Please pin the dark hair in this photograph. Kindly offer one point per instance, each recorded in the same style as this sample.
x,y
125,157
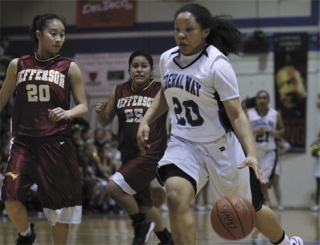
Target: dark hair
x,y
223,34
40,22
263,91
143,53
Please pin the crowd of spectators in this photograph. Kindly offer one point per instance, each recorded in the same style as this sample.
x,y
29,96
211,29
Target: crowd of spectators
x,y
98,159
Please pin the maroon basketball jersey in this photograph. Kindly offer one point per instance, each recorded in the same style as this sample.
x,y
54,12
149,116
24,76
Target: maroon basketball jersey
x,y
131,107
41,85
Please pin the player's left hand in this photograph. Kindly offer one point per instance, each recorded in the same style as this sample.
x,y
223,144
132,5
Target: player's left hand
x,y
58,114
254,164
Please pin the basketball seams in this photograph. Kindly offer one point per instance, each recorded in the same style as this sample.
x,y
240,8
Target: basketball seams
x,y
236,213
232,223
222,223
253,215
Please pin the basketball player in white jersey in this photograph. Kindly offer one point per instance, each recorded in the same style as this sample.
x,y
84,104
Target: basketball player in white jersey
x,y
200,92
267,126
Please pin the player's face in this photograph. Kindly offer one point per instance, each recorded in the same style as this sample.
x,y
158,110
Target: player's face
x,y
140,71
51,38
262,100
189,35
290,86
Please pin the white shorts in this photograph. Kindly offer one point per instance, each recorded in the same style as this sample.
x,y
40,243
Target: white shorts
x,y
216,161
268,162
70,215
278,170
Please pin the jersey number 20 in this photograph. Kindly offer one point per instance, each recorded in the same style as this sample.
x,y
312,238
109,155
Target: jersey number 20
x,y
187,112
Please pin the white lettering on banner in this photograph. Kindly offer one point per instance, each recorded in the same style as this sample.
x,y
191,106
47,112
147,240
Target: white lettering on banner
x,y
105,6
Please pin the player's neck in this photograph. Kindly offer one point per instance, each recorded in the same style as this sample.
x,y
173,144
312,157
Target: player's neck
x,y
262,111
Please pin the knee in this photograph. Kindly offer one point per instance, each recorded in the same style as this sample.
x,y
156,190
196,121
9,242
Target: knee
x,y
113,189
175,202
13,205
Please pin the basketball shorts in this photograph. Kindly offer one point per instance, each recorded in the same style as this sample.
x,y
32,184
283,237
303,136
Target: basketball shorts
x,y
268,161
216,161
278,169
135,175
51,163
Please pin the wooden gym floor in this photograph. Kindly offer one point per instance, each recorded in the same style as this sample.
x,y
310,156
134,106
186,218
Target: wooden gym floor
x,y
116,229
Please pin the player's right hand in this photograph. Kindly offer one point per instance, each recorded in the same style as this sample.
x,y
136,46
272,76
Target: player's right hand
x,y
101,107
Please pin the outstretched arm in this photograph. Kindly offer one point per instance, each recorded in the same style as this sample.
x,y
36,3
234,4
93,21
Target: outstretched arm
x,y
243,131
157,108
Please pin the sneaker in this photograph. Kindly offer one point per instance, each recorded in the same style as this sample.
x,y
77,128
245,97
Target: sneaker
x,y
199,208
315,208
165,237
168,243
142,232
209,207
295,240
164,207
26,240
280,207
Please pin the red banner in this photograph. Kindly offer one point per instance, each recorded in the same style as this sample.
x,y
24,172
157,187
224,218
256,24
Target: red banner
x,y
290,79
107,13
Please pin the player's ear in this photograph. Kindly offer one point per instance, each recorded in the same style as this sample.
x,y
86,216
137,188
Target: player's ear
x,y
38,34
205,32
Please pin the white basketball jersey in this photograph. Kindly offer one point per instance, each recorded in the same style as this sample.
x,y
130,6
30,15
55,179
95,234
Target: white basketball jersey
x,y
268,122
194,93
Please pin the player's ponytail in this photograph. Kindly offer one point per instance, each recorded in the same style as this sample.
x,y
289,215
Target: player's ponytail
x,y
224,35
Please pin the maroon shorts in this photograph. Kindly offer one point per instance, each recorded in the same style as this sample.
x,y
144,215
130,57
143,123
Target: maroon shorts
x,y
49,162
138,172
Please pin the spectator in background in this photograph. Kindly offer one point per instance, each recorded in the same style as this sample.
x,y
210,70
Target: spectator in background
x,y
282,147
267,126
315,152
100,137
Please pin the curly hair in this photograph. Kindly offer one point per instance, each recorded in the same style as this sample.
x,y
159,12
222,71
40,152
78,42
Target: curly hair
x,y
223,34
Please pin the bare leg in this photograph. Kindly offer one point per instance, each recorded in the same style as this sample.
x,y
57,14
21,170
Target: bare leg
x,y
268,224
18,215
154,215
124,200
276,188
179,196
60,233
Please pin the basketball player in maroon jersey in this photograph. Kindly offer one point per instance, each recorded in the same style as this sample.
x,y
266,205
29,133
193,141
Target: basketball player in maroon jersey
x,y
41,148
129,187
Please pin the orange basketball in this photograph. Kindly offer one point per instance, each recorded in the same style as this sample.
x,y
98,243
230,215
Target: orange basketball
x,y
233,217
